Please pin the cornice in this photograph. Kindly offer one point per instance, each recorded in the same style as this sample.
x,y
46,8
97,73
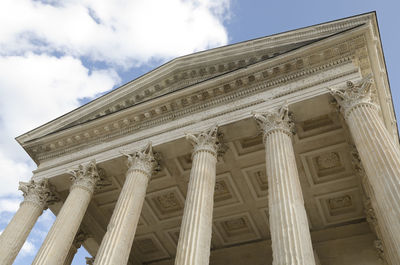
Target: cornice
x,y
223,98
222,114
239,85
199,66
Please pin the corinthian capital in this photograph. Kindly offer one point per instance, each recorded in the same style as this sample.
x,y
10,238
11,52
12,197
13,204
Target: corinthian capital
x,y
275,120
86,176
80,238
145,160
39,192
89,261
206,141
354,95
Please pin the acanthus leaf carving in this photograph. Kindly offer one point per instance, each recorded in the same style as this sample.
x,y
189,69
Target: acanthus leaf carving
x,y
39,192
145,160
279,119
89,261
354,95
80,238
208,141
41,151
86,176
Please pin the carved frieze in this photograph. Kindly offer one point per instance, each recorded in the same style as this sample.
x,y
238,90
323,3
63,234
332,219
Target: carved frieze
x,y
380,250
240,85
239,228
235,224
146,245
220,189
340,202
89,261
80,238
168,202
369,210
328,161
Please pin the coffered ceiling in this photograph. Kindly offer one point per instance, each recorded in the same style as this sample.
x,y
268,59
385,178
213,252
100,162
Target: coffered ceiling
x,y
331,190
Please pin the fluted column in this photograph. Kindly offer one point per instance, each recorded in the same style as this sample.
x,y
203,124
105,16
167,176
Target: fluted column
x,y
368,197
76,244
195,234
290,234
117,242
380,156
37,195
58,241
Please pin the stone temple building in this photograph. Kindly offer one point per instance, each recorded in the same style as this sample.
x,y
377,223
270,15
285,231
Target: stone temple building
x,y
281,150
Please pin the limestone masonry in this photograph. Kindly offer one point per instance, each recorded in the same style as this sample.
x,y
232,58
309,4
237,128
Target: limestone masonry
x,y
282,150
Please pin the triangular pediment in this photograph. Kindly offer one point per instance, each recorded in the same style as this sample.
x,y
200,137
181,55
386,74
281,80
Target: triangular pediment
x,y
189,70
182,72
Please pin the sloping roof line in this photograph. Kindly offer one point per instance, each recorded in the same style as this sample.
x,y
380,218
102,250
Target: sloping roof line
x,y
194,54
205,80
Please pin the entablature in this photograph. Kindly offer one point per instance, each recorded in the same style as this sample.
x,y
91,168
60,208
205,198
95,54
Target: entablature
x,y
264,76
194,68
266,83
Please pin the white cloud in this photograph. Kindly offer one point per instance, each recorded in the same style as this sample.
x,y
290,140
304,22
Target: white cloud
x,y
46,219
46,87
53,53
27,249
11,170
9,205
35,89
120,32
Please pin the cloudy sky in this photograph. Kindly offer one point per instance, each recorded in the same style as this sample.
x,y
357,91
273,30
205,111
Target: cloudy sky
x,y
57,55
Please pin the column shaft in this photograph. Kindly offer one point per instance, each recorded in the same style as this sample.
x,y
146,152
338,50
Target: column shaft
x,y
59,239
380,156
195,235
37,195
196,229
317,261
290,234
13,237
70,256
117,242
76,244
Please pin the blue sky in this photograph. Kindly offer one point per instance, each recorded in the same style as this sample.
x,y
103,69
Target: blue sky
x,y
54,56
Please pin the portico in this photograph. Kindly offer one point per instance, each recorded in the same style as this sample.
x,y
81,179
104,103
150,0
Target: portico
x,y
236,155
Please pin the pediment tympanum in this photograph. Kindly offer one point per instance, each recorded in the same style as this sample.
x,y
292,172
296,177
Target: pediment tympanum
x,y
199,81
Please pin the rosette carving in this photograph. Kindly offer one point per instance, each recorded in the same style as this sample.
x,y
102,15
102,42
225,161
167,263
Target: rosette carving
x,y
86,177
39,192
208,141
279,119
145,161
354,95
